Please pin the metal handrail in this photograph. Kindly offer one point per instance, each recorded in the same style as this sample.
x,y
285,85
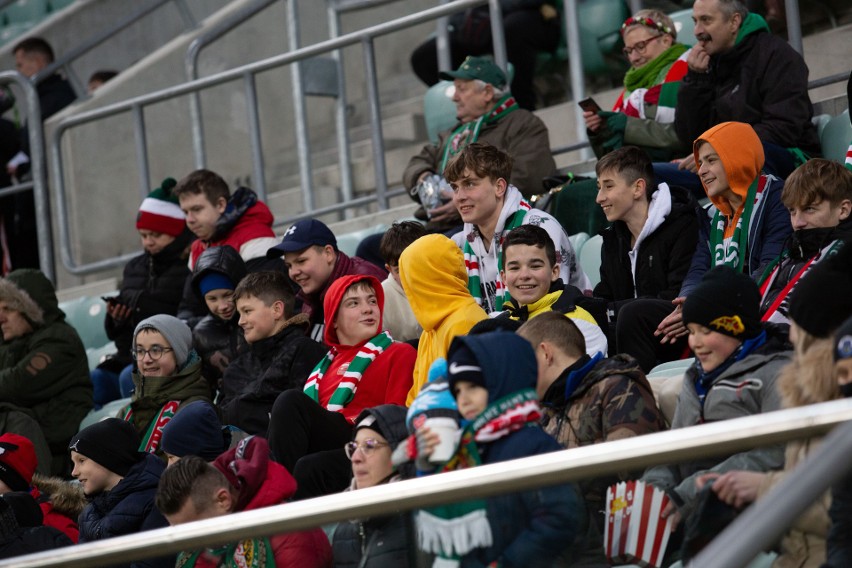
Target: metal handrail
x,y
37,170
517,475
245,73
67,58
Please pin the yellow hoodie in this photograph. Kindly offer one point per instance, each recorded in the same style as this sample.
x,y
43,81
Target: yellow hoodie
x,y
741,154
434,278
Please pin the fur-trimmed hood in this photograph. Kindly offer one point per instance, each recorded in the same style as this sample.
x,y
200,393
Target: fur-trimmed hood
x,y
66,497
809,378
30,292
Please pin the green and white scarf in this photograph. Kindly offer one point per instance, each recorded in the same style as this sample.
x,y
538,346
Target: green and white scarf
x,y
249,553
472,262
345,391
468,133
732,251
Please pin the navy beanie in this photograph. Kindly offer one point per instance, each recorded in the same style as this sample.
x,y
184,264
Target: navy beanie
x,y
195,430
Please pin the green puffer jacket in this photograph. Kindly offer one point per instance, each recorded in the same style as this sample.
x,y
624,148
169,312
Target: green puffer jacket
x,y
45,372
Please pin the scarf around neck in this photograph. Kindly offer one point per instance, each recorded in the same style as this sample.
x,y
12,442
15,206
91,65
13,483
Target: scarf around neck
x,y
345,391
468,133
732,251
648,75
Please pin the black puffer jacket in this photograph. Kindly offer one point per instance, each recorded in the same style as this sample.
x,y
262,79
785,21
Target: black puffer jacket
x,y
663,258
21,530
268,367
151,285
128,508
217,341
383,541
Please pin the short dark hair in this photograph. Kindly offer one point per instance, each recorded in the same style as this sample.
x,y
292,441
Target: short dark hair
x,y
269,286
397,238
534,236
817,180
103,76
485,160
190,478
35,45
555,328
631,163
209,183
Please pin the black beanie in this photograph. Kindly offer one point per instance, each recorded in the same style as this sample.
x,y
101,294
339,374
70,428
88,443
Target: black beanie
x,y
462,365
821,301
112,443
725,301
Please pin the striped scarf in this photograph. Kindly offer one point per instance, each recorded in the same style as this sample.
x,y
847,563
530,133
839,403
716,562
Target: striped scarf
x,y
732,251
472,261
468,133
151,440
345,391
656,86
848,162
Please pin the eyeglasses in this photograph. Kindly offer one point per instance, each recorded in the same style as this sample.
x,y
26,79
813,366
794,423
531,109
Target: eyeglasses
x,y
640,46
367,447
155,352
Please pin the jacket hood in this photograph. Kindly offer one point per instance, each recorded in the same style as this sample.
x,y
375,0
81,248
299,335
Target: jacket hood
x,y
741,154
145,474
30,292
752,24
333,297
390,422
186,383
67,498
809,378
177,249
434,278
259,481
222,260
507,361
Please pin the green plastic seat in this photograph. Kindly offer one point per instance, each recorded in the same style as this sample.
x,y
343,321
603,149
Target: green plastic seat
x,y
590,259
684,26
96,354
577,241
109,410
439,110
600,33
671,368
836,136
25,11
86,315
575,208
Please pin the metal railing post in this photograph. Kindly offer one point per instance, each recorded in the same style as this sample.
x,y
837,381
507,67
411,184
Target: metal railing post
x,y
185,14
347,187
140,136
498,36
375,123
259,182
442,43
299,112
575,64
794,25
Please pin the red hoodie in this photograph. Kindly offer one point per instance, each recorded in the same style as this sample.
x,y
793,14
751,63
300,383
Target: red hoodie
x,y
261,482
388,378
255,223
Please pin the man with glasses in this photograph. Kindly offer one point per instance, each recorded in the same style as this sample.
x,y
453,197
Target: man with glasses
x,y
739,71
643,115
43,367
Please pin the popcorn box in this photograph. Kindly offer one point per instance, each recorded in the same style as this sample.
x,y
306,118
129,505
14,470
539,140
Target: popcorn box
x,y
634,532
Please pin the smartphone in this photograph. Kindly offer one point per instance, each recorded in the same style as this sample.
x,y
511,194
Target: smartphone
x,y
589,105
110,299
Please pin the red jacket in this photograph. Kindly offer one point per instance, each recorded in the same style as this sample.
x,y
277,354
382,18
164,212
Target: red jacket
x,y
55,519
262,483
255,223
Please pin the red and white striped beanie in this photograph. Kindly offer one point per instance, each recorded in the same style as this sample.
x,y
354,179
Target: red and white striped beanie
x,y
160,211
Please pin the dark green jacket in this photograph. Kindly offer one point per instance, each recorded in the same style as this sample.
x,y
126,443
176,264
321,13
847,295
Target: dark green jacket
x,y
46,371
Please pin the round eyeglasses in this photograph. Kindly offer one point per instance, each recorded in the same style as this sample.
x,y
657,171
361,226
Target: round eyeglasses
x,y
155,352
367,447
640,46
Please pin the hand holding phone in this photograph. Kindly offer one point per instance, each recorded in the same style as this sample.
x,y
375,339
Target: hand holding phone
x,y
589,105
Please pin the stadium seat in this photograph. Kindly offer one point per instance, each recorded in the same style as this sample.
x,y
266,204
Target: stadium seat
x,y
590,259
439,110
109,410
684,26
86,315
820,120
24,11
348,242
96,354
671,368
836,136
577,241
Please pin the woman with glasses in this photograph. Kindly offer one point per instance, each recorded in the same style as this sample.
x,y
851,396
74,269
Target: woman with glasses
x,y
382,541
643,115
166,375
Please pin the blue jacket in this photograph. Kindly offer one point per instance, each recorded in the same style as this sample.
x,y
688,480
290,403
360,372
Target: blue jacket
x,y
532,528
128,508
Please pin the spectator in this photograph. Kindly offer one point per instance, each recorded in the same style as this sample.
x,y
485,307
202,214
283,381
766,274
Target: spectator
x,y
490,208
364,368
748,229
98,78
492,377
531,277
151,284
21,531
120,480
434,278
486,113
739,71
17,232
279,355
644,113
195,430
314,262
378,541
43,366
737,363
242,479
218,338
398,317
530,27
167,375
589,400
60,502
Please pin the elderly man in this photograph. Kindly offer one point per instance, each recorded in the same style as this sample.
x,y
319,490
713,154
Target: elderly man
x,y
487,112
740,72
